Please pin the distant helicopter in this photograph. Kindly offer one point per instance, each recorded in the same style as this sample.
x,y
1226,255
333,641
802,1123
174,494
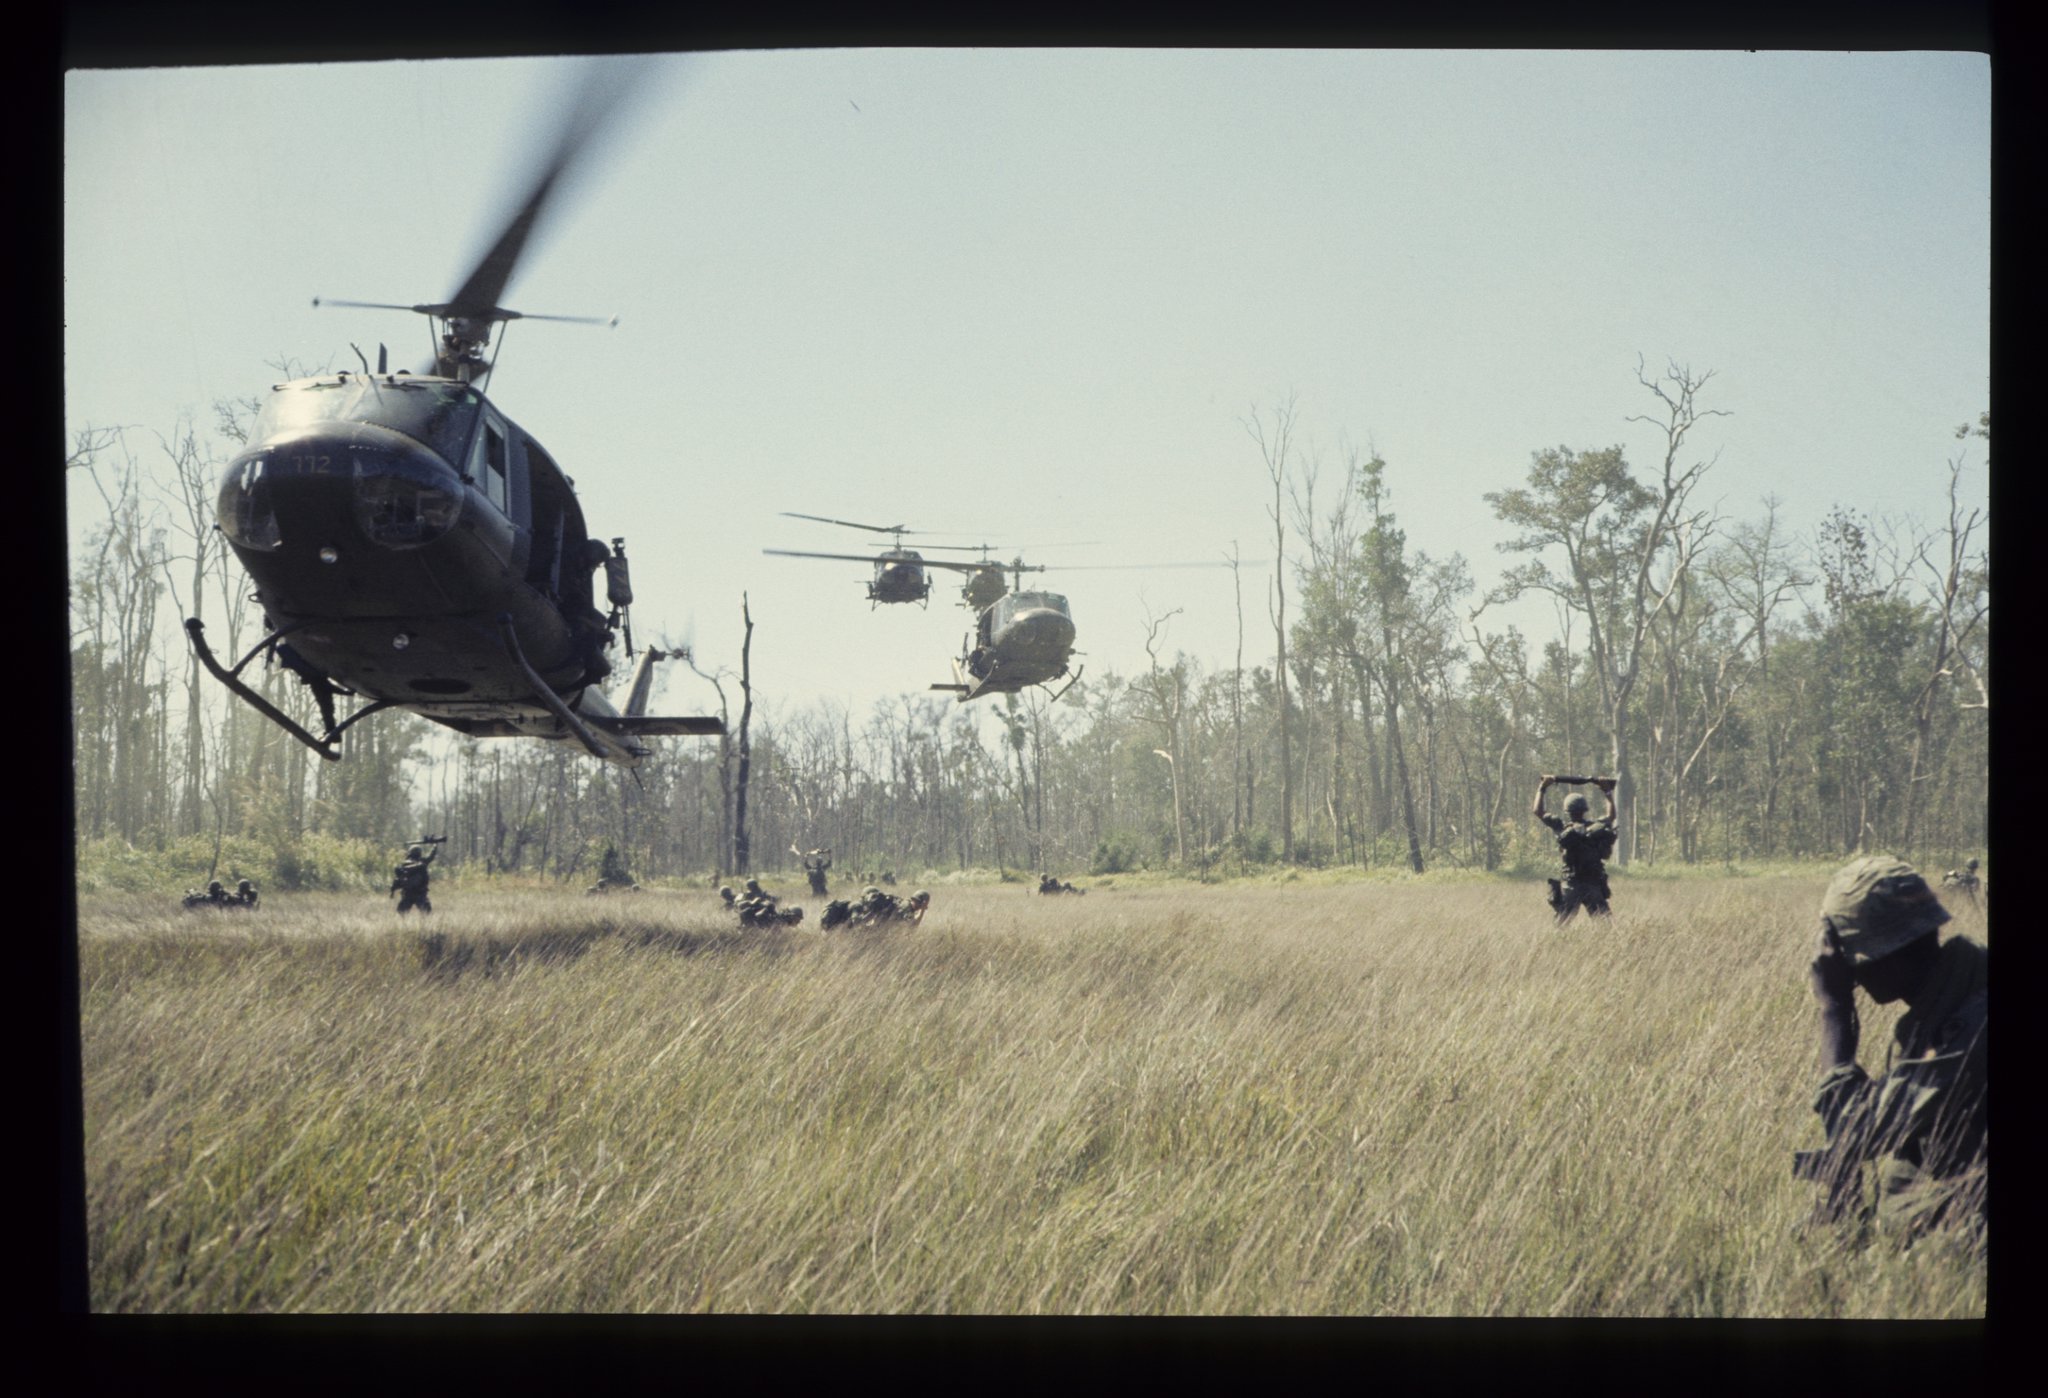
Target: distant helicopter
x,y
899,572
414,547
1020,638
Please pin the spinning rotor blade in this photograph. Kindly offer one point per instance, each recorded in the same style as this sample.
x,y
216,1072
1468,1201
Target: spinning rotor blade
x,y
365,305
843,557
604,84
875,528
1125,567
990,565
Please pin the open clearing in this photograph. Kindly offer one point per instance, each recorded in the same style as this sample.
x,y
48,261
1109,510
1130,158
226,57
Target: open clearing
x,y
1405,1098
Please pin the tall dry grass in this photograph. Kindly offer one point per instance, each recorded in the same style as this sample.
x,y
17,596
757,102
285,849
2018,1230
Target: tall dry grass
x,y
1409,1098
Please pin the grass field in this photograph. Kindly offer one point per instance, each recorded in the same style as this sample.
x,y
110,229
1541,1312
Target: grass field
x,y
1405,1098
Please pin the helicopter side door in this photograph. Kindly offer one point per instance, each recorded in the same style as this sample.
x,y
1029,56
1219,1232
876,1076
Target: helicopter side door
x,y
489,474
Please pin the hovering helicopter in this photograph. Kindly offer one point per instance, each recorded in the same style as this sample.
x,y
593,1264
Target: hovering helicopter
x,y
414,547
899,572
1020,638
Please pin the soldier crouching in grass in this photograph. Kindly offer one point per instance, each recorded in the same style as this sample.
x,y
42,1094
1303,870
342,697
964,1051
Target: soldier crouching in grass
x,y
1923,1123
1584,847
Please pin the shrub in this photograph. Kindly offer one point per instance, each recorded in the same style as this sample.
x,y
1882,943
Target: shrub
x,y
1115,854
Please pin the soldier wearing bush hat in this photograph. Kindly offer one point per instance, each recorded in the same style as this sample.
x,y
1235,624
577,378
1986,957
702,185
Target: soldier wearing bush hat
x,y
1923,1123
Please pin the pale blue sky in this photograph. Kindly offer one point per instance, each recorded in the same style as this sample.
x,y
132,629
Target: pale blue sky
x,y
1029,296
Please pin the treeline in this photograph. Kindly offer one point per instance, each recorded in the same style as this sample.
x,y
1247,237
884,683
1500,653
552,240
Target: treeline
x,y
1761,692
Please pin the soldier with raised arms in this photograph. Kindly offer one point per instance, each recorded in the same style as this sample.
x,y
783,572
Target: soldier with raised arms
x,y
1583,846
411,879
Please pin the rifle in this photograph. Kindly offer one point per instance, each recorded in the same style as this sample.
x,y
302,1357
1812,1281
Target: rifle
x,y
1577,781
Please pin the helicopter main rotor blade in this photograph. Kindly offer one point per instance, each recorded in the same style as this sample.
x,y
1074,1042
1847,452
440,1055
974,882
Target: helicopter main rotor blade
x,y
1128,567
988,567
364,305
874,528
604,84
843,557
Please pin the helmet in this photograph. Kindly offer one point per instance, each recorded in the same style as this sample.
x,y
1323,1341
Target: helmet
x,y
1878,904
920,897
753,885
1969,863
1576,805
244,886
725,890
415,853
213,887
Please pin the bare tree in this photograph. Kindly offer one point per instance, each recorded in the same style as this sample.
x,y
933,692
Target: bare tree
x,y
1615,533
1956,589
1276,444
1165,691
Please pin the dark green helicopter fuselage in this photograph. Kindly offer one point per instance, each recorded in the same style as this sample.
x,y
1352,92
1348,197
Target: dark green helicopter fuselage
x,y
389,521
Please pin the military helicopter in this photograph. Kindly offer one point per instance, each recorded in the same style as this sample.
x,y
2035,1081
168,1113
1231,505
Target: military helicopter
x,y
899,572
1020,638
414,547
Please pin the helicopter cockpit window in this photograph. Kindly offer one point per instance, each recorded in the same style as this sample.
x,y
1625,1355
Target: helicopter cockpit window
x,y
487,466
400,504
438,415
1008,608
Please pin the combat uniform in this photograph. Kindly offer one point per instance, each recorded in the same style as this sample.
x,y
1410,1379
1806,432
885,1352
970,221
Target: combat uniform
x,y
1924,1122
1583,848
410,880
1963,881
214,897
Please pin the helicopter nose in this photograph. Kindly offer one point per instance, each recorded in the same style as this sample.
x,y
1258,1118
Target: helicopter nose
x,y
1043,631
320,489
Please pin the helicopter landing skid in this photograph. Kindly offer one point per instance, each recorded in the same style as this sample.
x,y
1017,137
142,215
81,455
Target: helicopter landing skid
x,y
195,628
1063,688
546,695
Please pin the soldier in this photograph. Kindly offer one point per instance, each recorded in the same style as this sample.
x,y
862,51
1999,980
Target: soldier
x,y
838,913
874,906
612,872
245,895
1963,880
214,897
815,864
1584,848
1924,1122
410,880
758,908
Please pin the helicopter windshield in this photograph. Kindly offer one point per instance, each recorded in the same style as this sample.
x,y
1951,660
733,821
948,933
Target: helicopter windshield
x,y
1008,607
437,415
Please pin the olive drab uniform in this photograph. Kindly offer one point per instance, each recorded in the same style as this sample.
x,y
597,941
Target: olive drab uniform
x,y
1964,881
214,897
410,880
759,908
815,865
1923,1124
1583,847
